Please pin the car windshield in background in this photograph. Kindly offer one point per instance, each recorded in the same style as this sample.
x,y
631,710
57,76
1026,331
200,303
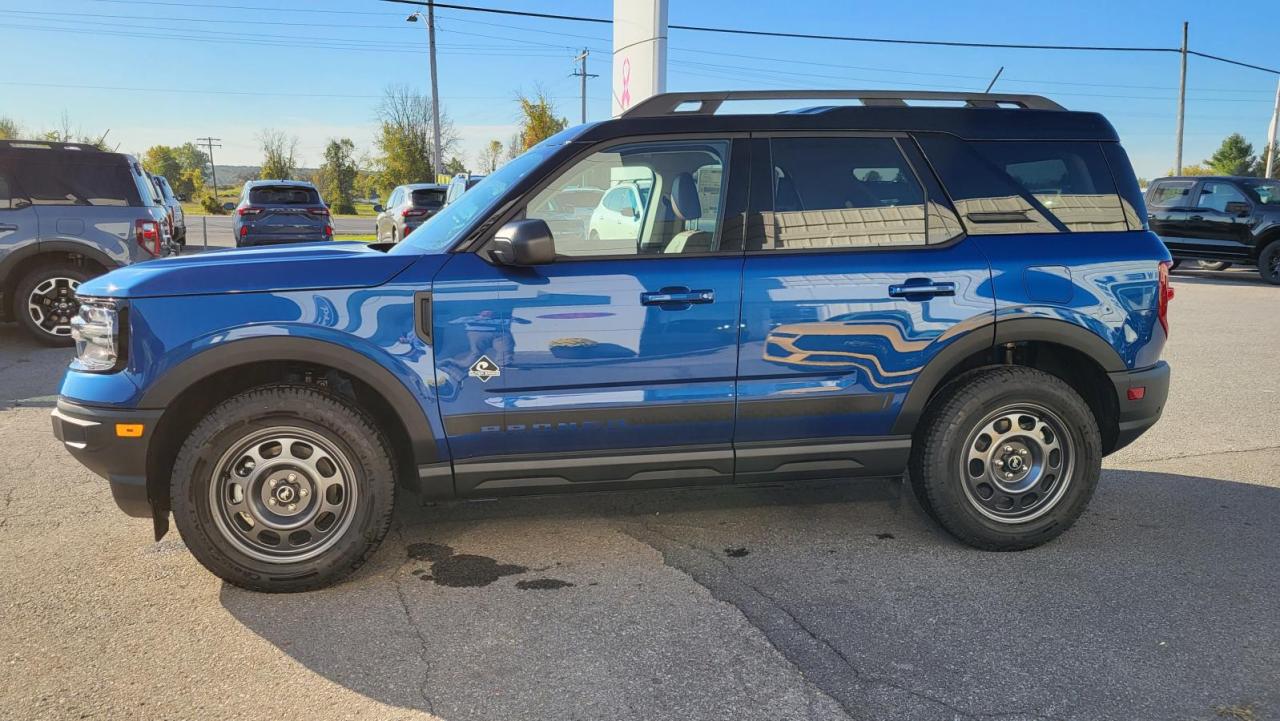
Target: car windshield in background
x,y
445,227
1266,192
428,198
283,195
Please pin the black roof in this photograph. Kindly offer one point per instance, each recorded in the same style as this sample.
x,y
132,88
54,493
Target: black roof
x,y
981,117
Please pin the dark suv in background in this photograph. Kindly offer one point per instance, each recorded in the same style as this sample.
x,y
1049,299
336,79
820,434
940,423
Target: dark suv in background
x,y
69,212
1218,221
407,207
280,211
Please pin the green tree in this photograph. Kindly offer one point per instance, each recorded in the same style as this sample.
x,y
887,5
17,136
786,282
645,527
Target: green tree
x,y
490,155
162,160
1234,157
405,136
455,166
183,165
337,176
1193,170
9,129
279,154
538,119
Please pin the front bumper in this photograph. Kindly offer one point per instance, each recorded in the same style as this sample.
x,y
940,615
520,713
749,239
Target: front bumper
x,y
1136,416
92,436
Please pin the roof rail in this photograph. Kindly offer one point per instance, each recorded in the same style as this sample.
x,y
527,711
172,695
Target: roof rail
x,y
709,102
48,145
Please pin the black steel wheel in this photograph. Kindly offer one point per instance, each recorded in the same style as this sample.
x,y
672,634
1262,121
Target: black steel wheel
x,y
1269,263
1006,458
45,302
284,488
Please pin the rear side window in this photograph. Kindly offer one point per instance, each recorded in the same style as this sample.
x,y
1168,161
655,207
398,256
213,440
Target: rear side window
x,y
10,197
60,183
835,193
1028,186
429,198
1166,193
283,195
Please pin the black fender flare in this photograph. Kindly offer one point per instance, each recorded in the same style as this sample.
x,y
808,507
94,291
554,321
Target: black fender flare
x,y
303,350
17,256
988,337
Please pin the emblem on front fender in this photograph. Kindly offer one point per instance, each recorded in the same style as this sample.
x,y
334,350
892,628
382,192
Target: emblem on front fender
x,y
484,369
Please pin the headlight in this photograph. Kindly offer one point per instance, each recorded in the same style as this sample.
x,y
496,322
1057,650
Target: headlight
x,y
96,330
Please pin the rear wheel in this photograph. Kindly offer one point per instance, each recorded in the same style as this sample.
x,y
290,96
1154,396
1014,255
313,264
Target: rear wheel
x,y
1213,264
45,302
1007,458
283,488
1269,263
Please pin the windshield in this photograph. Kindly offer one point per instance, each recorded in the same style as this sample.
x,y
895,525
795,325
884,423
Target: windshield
x,y
446,227
1266,192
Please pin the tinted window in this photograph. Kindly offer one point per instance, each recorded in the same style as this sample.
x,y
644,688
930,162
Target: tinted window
x,y
842,193
1025,186
283,195
1266,192
1215,195
10,198
663,197
54,183
428,198
1169,192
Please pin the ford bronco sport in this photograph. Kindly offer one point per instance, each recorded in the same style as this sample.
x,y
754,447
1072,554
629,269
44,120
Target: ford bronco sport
x,y
966,294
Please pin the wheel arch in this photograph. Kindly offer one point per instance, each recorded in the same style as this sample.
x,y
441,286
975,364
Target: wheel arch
x,y
16,263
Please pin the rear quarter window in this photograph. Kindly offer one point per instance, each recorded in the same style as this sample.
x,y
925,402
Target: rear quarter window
x,y
1002,187
283,195
85,184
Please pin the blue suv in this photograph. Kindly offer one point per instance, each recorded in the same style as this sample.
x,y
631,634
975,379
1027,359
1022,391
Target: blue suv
x,y
964,294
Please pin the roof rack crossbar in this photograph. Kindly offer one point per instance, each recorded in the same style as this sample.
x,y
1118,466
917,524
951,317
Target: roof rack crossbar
x,y
50,144
709,102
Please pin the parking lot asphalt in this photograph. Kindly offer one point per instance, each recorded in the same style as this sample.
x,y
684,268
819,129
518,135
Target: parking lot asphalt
x,y
219,230
820,601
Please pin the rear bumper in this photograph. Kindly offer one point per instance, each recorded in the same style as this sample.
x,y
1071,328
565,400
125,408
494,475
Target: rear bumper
x,y
89,433
1136,416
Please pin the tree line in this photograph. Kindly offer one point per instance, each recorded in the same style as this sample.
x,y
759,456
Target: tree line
x,y
1235,156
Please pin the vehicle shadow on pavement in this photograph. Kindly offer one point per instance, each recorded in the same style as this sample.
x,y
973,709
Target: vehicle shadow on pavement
x,y
30,373
1232,276
1160,603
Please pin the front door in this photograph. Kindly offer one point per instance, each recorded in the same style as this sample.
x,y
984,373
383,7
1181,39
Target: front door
x,y
1220,222
613,366
848,293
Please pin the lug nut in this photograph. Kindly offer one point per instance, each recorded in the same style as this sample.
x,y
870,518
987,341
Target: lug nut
x,y
1008,475
293,476
271,501
272,483
999,463
1008,449
303,493
293,506
1022,451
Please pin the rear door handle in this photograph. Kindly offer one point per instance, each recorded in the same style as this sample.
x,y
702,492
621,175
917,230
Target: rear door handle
x,y
677,297
922,290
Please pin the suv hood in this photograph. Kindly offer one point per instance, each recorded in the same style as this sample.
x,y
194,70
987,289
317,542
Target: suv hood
x,y
279,268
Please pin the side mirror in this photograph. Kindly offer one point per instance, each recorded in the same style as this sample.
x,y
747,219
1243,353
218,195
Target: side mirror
x,y
1237,207
524,242
228,206
377,208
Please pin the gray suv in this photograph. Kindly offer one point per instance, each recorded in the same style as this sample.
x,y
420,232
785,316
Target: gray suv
x,y
271,212
408,206
69,212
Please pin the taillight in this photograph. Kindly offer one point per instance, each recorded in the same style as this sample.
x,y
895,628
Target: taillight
x,y
249,211
328,230
324,212
1166,295
147,233
413,212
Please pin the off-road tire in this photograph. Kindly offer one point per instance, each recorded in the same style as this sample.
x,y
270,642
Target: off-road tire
x,y
1269,263
28,283
344,426
935,468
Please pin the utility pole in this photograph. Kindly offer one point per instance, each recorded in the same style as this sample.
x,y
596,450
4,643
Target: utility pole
x,y
209,145
1182,102
1271,132
581,72
435,94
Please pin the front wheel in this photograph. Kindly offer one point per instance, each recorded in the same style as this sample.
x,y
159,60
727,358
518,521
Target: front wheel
x,y
1269,263
283,488
1006,458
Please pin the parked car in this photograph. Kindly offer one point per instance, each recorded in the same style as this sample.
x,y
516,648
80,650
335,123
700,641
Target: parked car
x,y
68,212
618,217
407,207
461,183
965,291
1219,221
271,212
177,218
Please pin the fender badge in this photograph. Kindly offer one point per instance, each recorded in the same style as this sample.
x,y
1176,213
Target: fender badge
x,y
484,369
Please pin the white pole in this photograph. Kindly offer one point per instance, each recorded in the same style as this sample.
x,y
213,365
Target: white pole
x,y
1271,131
1182,103
435,93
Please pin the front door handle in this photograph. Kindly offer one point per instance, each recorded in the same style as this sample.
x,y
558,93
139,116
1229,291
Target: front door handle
x,y
677,297
1196,217
921,290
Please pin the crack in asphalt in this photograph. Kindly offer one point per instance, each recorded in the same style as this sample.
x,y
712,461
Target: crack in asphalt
x,y
424,650
1140,461
769,627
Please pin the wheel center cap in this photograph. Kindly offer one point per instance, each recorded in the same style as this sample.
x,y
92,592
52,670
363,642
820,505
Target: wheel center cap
x,y
286,494
1014,463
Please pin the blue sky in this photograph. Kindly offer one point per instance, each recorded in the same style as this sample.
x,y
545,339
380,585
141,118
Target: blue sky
x,y
167,72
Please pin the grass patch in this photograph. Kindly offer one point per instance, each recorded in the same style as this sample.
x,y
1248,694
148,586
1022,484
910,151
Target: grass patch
x,y
362,237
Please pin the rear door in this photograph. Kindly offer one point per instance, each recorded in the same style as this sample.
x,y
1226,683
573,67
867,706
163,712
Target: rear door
x,y
1168,208
856,275
613,366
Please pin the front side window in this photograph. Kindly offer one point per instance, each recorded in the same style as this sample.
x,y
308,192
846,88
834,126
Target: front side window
x,y
1169,193
649,198
1262,191
1215,195
834,193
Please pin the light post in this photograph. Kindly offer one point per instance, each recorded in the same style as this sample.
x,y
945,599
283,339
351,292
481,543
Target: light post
x,y
430,20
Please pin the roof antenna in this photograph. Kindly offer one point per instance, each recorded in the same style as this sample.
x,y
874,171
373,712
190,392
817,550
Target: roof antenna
x,y
993,80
